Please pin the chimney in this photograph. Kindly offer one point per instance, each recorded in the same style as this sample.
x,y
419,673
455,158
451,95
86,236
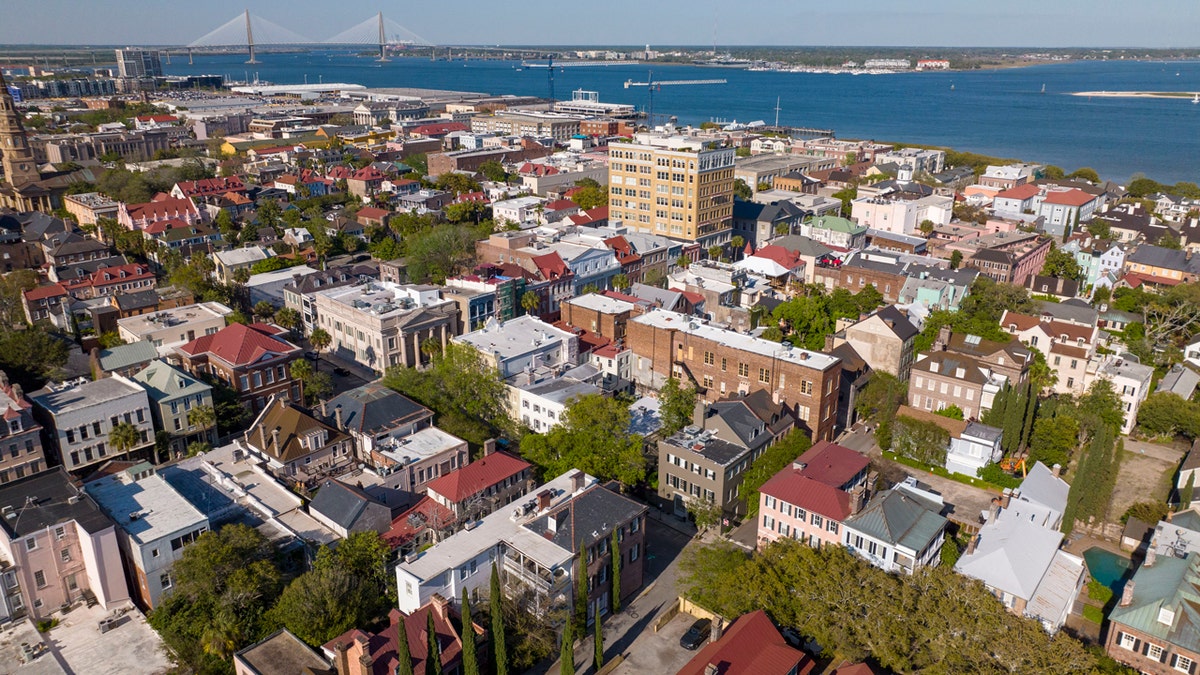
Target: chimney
x,y
994,511
543,499
1056,470
365,662
577,481
828,348
341,659
943,339
262,436
17,392
1151,554
698,413
1005,498
712,669
972,544
337,417
718,627
324,413
275,438
1127,594
489,446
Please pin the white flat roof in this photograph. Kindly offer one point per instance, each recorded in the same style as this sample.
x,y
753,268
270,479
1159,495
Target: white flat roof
x,y
601,303
176,316
513,337
661,318
159,509
499,526
424,444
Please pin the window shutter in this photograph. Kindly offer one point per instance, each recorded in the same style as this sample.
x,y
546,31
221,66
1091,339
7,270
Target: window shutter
x,y
1137,646
1145,649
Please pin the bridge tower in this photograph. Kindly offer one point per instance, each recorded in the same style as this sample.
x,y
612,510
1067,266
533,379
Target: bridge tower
x,y
382,42
250,39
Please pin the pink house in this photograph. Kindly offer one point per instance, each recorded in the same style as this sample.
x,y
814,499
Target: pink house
x,y
162,207
809,499
62,548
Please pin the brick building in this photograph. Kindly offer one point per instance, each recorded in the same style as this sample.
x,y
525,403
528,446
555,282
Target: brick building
x,y
719,362
253,360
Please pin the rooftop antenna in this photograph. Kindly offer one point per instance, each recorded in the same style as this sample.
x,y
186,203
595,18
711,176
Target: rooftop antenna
x,y
250,38
382,42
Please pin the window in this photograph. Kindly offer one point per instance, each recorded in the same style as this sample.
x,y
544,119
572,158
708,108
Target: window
x,y
165,580
634,525
1128,641
764,375
724,363
743,370
31,544
60,532
709,358
39,578
70,435
1154,651
633,552
154,553
1183,664
806,387
65,555
817,521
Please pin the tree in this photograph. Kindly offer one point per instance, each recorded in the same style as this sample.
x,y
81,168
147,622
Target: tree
x,y
1087,173
263,310
925,442
1167,414
124,437
593,436
715,252
110,339
926,227
598,643
589,198
457,183
956,260
566,659
288,318
320,340
197,448
440,253
530,301
676,406
963,628
1061,265
620,282
202,417
770,462
953,412
499,654
493,171
1053,440
323,603
738,243
580,612
470,660
615,546
404,664
741,190
433,652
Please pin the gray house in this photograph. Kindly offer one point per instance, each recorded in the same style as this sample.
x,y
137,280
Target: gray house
x,y
346,509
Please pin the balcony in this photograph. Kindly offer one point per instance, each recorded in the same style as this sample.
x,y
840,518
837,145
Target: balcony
x,y
540,580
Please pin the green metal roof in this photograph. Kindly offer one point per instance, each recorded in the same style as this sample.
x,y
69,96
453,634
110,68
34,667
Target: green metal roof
x,y
838,224
1171,584
899,519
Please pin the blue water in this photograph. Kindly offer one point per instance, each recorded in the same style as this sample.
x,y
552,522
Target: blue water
x,y
1108,568
994,112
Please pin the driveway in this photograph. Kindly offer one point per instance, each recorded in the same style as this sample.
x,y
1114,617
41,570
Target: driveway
x,y
634,636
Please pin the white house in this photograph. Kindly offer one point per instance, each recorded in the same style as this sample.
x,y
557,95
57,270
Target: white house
x,y
900,530
517,210
976,447
1131,380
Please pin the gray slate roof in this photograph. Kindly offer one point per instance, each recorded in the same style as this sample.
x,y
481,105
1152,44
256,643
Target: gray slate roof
x,y
1180,380
373,409
340,503
588,517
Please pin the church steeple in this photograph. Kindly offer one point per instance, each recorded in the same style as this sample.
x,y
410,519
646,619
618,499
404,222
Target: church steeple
x,y
17,159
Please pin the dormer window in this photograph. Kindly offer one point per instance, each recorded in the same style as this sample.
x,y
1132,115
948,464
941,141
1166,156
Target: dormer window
x,y
14,426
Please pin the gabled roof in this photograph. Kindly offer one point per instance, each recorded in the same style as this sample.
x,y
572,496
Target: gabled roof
x,y
792,486
164,382
292,424
897,322
832,464
162,206
1157,256
1171,584
381,647
1021,192
373,409
899,518
489,470
1012,555
1068,197
340,503
586,518
124,356
238,345
551,265
751,645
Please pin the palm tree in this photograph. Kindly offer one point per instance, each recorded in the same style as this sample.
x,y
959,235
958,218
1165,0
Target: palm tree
x,y
530,301
620,282
203,417
739,243
124,437
319,339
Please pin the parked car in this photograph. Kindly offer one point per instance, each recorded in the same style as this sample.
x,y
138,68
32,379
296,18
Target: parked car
x,y
340,371
696,635
311,356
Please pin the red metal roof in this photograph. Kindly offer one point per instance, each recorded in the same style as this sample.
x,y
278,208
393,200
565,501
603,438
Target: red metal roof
x,y
561,205
551,265
43,292
477,476
373,212
751,645
162,207
211,186
238,344
382,646
789,260
1068,197
1022,192
832,464
792,486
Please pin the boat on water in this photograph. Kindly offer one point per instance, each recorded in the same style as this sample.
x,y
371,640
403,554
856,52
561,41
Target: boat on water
x,y
1196,98
1043,88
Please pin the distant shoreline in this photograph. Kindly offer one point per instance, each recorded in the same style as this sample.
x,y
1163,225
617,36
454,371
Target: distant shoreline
x,y
1138,94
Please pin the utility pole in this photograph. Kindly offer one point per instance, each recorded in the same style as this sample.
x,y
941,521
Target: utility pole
x,y
250,39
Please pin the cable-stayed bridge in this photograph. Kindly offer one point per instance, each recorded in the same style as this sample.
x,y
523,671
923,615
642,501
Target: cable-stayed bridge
x,y
252,31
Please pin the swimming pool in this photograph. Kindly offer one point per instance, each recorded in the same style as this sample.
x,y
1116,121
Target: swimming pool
x,y
1107,567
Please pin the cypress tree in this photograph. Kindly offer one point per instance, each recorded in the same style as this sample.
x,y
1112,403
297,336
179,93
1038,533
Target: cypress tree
x,y
469,658
499,653
599,642
567,659
433,659
403,654
616,572
1031,407
581,590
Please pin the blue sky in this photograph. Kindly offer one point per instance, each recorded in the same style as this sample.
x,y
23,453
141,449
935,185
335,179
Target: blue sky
x,y
1050,23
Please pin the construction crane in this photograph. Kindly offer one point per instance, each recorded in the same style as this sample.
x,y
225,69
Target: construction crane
x,y
651,85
